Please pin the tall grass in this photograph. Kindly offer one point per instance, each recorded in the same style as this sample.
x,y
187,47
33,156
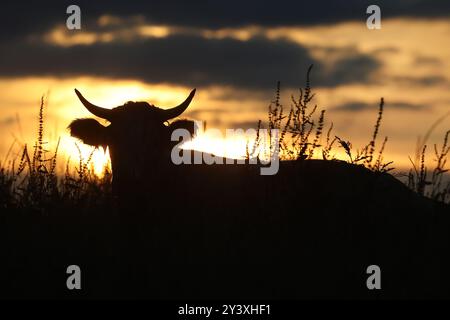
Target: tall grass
x,y
31,181
368,155
432,183
302,131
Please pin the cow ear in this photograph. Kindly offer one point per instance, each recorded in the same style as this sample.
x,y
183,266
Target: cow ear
x,y
89,131
183,124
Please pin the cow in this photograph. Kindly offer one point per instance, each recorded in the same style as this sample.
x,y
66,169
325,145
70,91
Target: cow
x,y
137,137
225,231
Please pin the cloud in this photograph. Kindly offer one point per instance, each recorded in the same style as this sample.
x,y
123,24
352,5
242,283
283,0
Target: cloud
x,y
244,125
425,81
203,111
422,60
362,106
188,60
23,18
385,50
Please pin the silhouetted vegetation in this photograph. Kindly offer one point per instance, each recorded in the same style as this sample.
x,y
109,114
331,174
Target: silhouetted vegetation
x,y
301,136
301,133
432,184
32,182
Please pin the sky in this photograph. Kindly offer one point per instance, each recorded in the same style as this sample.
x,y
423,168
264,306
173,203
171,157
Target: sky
x,y
233,52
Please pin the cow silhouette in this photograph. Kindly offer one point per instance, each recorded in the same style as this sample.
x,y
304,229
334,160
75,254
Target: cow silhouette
x,y
225,231
137,137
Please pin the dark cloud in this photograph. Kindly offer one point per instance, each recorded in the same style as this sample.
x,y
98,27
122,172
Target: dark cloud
x,y
362,106
356,68
187,60
21,18
190,60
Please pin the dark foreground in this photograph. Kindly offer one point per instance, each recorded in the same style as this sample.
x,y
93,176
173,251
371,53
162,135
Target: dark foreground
x,y
218,232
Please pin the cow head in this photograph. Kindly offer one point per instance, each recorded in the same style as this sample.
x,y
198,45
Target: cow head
x,y
138,136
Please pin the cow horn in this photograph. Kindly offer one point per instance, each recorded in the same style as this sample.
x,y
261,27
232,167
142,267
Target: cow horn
x,y
175,112
97,111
